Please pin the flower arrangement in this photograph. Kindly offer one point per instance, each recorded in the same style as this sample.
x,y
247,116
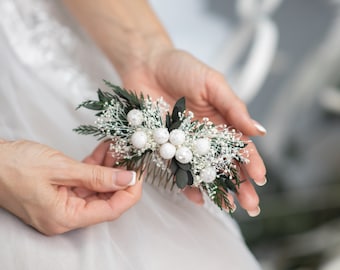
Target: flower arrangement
x,y
171,149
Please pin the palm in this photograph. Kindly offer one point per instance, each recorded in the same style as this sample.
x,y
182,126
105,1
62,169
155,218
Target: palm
x,y
178,74
173,74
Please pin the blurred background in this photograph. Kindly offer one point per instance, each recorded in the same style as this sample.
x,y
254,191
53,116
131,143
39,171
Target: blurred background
x,y
282,57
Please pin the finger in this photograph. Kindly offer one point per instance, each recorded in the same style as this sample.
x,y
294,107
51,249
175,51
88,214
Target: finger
x,y
255,169
95,177
99,210
83,192
247,197
234,111
109,161
194,195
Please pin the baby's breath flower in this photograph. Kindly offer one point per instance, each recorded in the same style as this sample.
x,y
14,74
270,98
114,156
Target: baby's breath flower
x,y
172,147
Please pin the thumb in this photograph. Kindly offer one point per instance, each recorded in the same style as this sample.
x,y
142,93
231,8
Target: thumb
x,y
99,178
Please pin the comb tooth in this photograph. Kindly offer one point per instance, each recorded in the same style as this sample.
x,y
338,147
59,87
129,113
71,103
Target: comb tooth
x,y
143,163
156,174
148,164
153,174
167,176
164,176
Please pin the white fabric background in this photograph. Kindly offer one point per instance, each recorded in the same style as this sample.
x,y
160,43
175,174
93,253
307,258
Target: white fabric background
x,y
47,68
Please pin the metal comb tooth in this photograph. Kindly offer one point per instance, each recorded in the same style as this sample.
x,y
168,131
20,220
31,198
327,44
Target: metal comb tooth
x,y
153,174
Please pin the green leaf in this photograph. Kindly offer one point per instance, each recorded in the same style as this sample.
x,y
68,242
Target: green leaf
x,y
226,183
129,96
184,166
92,105
178,108
182,178
190,178
101,96
175,125
173,166
167,121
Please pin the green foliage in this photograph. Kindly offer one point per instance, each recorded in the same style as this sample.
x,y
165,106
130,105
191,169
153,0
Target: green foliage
x,y
173,121
89,130
182,173
131,99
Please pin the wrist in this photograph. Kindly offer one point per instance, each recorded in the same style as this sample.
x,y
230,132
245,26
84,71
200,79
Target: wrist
x,y
138,51
128,32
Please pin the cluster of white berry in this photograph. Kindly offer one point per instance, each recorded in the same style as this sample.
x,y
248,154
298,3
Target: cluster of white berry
x,y
174,147
173,144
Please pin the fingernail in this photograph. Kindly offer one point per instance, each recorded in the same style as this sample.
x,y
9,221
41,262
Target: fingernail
x,y
264,181
259,127
255,212
125,178
133,180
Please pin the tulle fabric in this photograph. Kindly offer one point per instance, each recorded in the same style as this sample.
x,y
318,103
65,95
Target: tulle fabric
x,y
48,66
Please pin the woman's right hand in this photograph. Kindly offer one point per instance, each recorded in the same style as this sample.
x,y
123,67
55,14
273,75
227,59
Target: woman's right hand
x,y
39,185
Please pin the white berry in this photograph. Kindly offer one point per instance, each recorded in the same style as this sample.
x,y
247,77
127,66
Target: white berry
x,y
184,154
202,146
177,137
208,174
161,135
139,139
135,117
167,151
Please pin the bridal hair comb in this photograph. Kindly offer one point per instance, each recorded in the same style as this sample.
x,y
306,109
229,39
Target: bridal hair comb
x,y
170,150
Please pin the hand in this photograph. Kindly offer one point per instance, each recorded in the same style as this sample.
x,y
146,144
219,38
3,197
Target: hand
x,y
172,74
137,44
42,187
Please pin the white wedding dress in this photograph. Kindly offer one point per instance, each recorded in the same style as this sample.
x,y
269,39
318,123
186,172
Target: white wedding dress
x,y
48,66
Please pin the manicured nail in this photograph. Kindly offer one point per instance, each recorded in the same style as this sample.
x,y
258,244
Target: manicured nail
x,y
264,181
255,212
259,127
125,178
133,180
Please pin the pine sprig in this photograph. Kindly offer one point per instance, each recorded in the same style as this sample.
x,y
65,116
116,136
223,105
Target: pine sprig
x,y
218,195
131,99
92,105
88,130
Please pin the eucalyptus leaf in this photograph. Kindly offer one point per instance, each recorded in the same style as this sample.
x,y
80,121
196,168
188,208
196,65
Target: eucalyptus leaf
x,y
167,121
184,166
180,104
175,125
190,178
178,108
182,178
173,166
174,115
